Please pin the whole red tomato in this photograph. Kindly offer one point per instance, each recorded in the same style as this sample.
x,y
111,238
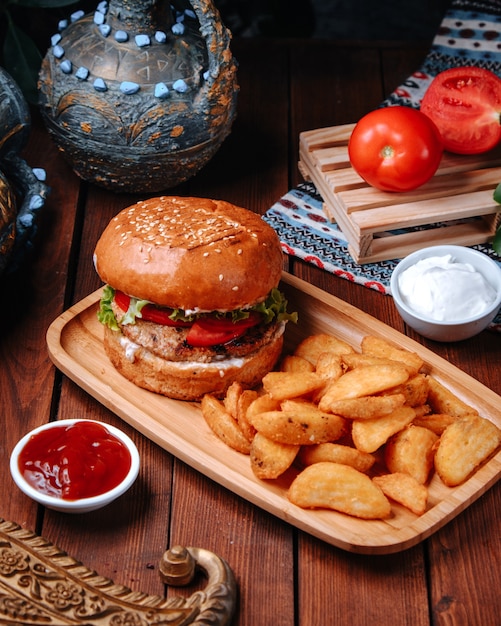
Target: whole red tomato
x,y
465,104
395,148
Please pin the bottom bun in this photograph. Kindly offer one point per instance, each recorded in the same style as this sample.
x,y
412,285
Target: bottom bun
x,y
189,380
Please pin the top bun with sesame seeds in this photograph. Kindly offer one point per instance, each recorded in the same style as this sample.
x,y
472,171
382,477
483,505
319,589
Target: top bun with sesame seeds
x,y
190,253
191,302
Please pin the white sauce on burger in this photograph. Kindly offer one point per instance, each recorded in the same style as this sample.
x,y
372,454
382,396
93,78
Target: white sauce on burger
x,y
131,348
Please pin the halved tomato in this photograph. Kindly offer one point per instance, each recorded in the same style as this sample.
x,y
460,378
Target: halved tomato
x,y
465,104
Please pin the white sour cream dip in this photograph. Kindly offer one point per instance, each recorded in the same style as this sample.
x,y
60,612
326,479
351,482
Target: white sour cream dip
x,y
442,289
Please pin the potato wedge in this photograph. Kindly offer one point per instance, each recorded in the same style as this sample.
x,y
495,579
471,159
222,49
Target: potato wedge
x,y
369,435
411,451
436,422
284,385
339,487
363,381
292,363
244,401
270,459
223,424
415,390
231,397
357,359
376,346
262,404
421,410
442,400
330,366
463,446
367,407
336,453
312,347
405,490
299,424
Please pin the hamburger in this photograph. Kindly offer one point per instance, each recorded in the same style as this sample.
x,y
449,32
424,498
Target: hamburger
x,y
190,302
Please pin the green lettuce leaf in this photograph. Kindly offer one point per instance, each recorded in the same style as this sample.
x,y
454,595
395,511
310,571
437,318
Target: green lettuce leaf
x,y
105,313
274,308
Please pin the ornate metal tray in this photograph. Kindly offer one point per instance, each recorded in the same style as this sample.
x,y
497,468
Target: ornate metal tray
x,y
40,584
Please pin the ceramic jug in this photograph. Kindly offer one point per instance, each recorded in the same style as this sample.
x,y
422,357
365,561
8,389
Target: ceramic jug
x,y
22,188
140,94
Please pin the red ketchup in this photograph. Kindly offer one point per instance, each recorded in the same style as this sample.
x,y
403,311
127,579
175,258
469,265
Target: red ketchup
x,y
77,461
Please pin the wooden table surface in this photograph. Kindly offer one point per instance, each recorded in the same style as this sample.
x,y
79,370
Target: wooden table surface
x,y
285,576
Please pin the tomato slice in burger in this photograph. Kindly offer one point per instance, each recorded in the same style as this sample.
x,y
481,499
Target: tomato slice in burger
x,y
122,300
150,312
465,104
212,331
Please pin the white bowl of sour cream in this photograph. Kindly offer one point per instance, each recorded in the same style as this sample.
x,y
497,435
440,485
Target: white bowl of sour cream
x,y
447,293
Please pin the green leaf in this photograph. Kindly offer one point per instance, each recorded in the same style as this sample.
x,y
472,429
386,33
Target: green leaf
x,y
105,313
497,194
275,306
496,242
22,60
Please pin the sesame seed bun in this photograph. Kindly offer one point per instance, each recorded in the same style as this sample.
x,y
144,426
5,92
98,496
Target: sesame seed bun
x,y
190,253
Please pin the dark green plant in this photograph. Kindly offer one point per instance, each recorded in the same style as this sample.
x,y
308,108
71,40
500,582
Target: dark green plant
x,y
496,244
21,53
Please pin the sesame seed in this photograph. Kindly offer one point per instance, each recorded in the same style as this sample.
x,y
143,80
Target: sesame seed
x,y
235,288
221,277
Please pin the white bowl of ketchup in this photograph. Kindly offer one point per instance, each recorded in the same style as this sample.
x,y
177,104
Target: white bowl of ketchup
x,y
74,465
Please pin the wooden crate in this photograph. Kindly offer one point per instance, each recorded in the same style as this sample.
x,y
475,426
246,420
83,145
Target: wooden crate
x,y
381,225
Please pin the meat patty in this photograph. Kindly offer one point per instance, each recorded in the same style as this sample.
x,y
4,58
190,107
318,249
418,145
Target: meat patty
x,y
169,342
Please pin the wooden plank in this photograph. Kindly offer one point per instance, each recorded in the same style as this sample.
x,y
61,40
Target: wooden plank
x,y
450,187
375,249
326,137
428,211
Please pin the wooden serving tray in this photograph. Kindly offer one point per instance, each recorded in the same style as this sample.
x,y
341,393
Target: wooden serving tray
x,y
461,189
75,345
